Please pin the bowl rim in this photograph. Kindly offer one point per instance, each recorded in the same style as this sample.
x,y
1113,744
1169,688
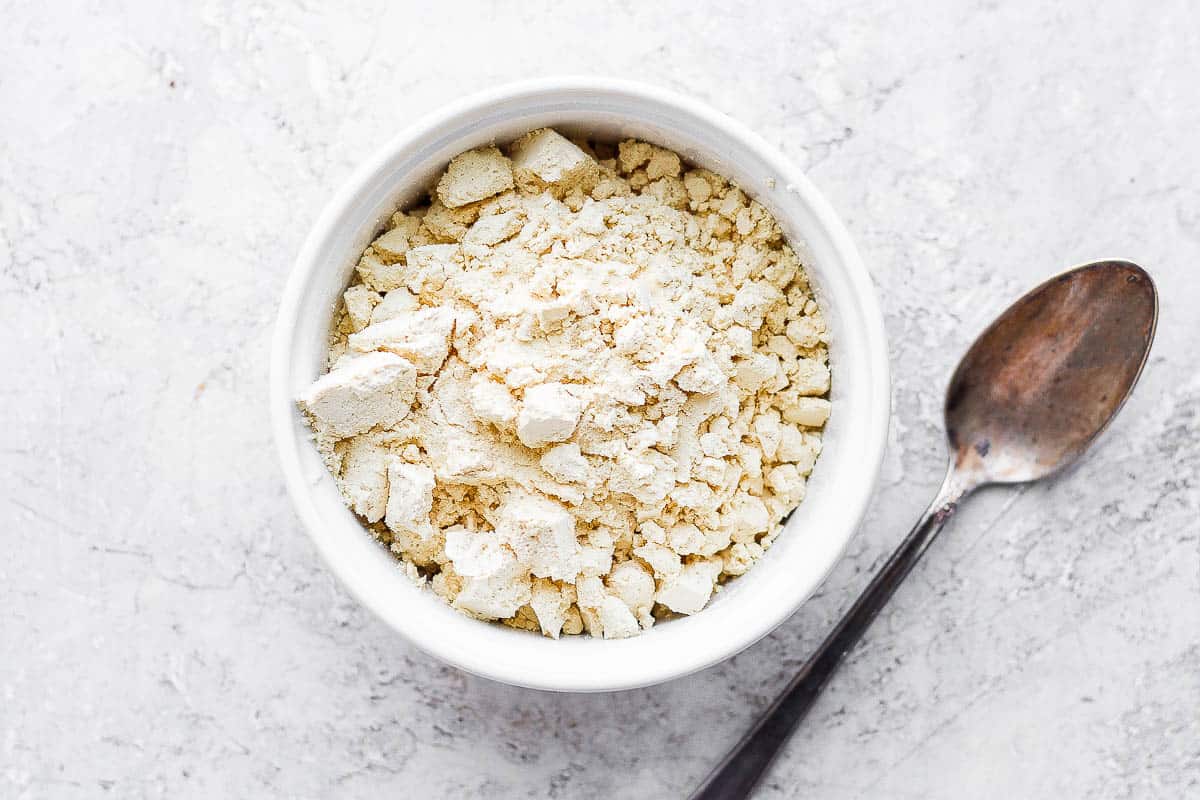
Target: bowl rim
x,y
307,264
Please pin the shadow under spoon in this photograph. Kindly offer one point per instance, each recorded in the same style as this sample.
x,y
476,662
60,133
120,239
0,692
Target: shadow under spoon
x,y
1032,393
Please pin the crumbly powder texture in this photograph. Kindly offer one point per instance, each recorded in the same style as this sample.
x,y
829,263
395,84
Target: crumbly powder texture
x,y
579,389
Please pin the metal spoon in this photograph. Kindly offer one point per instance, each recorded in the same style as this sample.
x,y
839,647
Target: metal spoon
x,y
1035,389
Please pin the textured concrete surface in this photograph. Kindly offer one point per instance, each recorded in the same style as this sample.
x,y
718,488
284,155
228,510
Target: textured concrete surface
x,y
167,630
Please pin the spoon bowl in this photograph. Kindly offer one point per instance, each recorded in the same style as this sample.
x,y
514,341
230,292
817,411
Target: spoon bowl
x,y
1048,375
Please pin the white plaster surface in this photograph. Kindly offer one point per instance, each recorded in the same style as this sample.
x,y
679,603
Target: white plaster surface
x,y
166,630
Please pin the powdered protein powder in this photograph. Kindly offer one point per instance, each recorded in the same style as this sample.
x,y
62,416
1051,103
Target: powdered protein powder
x,y
579,389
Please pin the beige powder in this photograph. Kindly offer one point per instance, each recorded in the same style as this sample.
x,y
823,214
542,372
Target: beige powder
x,y
596,388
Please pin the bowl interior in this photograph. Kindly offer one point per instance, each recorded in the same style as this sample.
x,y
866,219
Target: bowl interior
x,y
816,534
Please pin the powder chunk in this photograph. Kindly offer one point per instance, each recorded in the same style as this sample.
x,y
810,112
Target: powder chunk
x,y
634,586
475,175
492,402
423,337
787,483
798,448
375,389
551,605
429,266
751,303
595,561
394,304
360,302
474,553
663,560
703,377
632,154
755,371
604,613
394,243
410,498
565,462
380,275
811,378
542,534
549,413
647,476
446,224
698,189
746,517
493,229
685,538
663,163
544,158
805,331
616,620
769,432
688,591
809,411
497,594
364,481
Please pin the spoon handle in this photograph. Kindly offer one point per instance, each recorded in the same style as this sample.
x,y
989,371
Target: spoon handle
x,y
737,775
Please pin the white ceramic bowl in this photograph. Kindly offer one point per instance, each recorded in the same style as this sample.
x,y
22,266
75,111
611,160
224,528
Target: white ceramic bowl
x,y
842,481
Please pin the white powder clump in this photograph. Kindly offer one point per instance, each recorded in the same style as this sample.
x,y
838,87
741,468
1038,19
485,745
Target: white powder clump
x,y
352,398
579,389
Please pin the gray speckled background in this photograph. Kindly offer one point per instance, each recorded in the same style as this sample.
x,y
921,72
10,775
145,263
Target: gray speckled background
x,y
166,628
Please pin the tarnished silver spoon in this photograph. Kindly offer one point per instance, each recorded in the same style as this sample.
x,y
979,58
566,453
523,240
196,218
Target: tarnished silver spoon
x,y
1035,389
